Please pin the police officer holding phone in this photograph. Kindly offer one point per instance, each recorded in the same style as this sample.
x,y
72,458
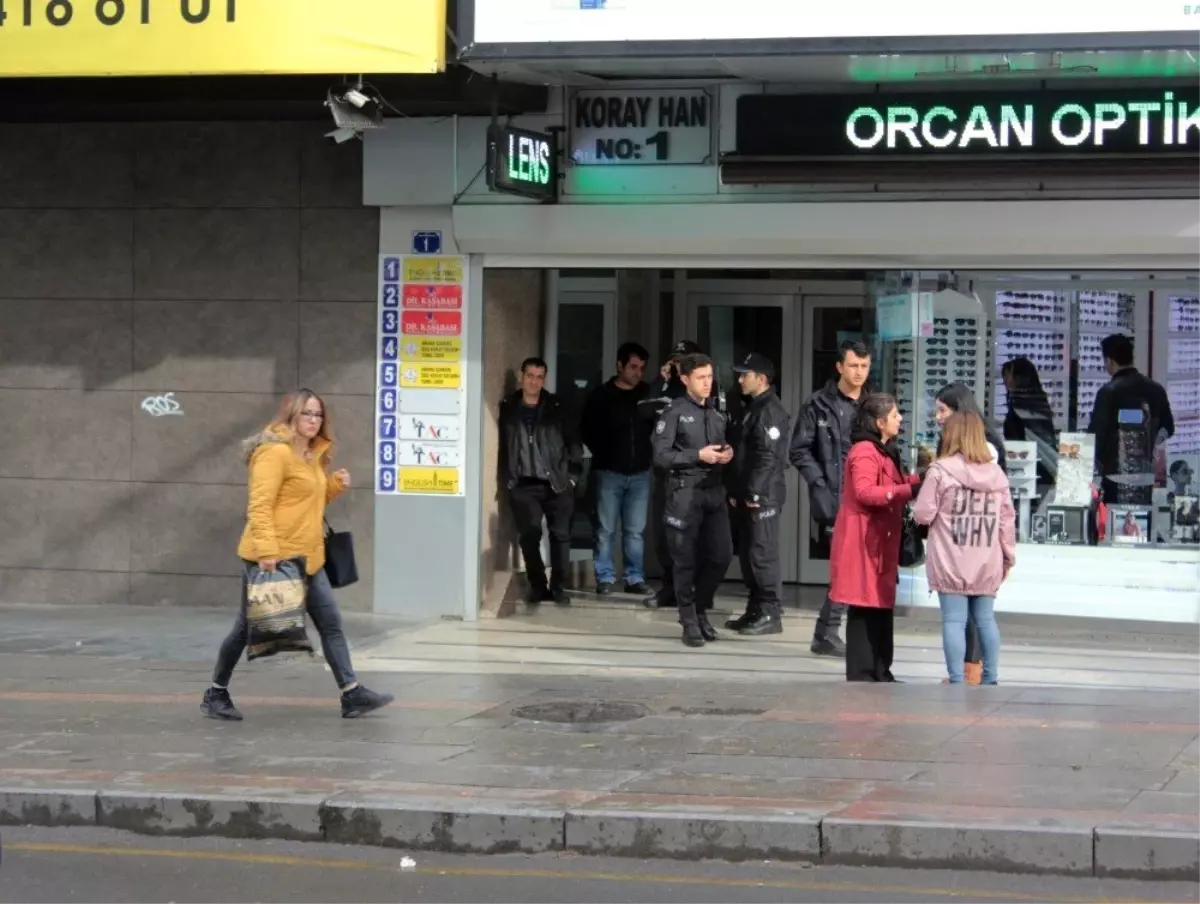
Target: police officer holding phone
x,y
757,493
689,444
667,389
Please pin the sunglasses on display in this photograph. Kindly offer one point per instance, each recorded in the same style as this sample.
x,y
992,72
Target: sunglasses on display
x,y
1044,346
1184,396
1033,318
1017,456
1032,334
945,321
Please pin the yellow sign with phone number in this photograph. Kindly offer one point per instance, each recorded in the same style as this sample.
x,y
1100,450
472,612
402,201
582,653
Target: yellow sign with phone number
x,y
220,37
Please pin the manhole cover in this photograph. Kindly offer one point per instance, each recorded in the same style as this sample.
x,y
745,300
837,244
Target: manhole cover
x,y
577,712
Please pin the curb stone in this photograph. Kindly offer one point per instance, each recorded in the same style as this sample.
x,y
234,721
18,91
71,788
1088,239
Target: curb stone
x,y
1126,853
48,807
934,845
692,836
479,827
465,829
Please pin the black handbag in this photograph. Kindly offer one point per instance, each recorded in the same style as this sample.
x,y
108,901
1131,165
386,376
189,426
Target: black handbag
x,y
912,547
340,567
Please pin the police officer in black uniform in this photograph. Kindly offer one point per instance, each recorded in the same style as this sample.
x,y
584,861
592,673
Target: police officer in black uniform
x,y
689,443
666,390
757,493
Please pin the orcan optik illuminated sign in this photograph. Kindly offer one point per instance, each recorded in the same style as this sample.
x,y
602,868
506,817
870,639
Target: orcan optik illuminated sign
x,y
1086,123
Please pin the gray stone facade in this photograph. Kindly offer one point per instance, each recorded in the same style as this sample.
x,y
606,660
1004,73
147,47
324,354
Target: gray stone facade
x,y
223,262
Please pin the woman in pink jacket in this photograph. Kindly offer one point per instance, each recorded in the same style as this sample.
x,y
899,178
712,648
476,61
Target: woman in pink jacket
x,y
972,544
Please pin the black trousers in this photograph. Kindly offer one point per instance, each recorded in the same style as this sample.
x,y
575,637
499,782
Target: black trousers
x,y
530,501
758,554
697,520
662,545
869,643
829,619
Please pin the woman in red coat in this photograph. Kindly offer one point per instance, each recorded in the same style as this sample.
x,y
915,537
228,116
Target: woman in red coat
x,y
865,558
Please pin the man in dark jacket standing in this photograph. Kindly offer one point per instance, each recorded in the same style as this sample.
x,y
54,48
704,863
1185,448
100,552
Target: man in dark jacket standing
x,y
666,389
617,431
540,463
757,493
1130,413
820,444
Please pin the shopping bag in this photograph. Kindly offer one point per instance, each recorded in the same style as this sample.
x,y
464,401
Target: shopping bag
x,y
340,567
275,605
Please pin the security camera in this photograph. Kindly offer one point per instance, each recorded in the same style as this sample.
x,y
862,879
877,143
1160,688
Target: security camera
x,y
353,110
356,97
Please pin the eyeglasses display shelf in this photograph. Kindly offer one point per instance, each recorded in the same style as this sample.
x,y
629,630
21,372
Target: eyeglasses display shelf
x,y
1097,314
1183,371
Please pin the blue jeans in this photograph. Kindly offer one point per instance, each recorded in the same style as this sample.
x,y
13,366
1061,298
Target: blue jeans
x,y
955,609
623,496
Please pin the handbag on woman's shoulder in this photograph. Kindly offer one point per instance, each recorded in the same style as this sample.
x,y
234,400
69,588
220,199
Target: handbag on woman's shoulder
x,y
912,547
340,566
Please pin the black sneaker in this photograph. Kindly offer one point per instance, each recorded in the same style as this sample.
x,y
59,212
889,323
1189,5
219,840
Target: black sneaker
x,y
362,700
828,646
537,595
559,596
736,624
604,588
664,599
707,631
217,704
692,636
763,624
640,588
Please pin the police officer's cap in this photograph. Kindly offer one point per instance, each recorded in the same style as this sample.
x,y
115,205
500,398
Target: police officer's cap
x,y
756,363
685,347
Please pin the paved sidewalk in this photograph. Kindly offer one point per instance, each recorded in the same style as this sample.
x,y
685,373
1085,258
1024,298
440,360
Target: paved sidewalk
x,y
694,762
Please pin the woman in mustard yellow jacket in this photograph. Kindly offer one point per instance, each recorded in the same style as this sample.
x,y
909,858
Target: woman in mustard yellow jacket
x,y
289,487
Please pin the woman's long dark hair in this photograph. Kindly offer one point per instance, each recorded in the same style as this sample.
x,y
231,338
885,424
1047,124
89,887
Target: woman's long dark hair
x,y
1024,375
1030,415
873,408
959,397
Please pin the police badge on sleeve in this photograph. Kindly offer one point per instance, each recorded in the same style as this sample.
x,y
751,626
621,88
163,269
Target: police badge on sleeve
x,y
660,426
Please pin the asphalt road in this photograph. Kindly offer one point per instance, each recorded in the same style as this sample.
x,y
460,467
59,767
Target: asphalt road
x,y
99,865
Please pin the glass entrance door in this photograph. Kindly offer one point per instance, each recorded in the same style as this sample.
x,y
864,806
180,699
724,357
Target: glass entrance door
x,y
729,327
828,321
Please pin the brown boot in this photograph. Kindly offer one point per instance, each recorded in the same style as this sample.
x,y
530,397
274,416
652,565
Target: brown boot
x,y
972,672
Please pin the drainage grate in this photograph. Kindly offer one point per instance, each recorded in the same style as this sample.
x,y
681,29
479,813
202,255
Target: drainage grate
x,y
581,712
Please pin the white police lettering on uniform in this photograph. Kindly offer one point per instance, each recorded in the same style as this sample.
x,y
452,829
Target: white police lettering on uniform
x,y
687,419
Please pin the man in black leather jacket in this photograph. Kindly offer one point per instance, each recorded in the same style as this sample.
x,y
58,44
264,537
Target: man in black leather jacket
x,y
1131,416
757,491
820,444
541,460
